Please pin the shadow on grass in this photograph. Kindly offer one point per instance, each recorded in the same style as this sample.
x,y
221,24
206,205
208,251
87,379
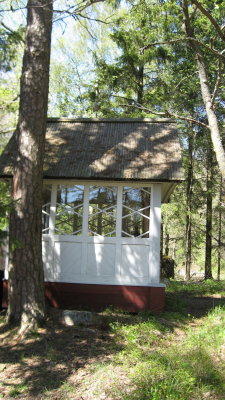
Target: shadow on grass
x,y
180,308
192,304
46,358
182,376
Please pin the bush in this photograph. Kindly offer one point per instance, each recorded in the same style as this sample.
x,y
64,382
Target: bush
x,y
167,267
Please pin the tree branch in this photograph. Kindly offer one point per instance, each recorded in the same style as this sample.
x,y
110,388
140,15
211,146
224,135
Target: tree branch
x,y
193,39
166,113
70,11
183,79
77,15
189,119
78,10
77,18
13,32
210,18
93,19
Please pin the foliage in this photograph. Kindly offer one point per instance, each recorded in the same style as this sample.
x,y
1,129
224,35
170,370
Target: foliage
x,y
9,41
5,208
72,75
10,64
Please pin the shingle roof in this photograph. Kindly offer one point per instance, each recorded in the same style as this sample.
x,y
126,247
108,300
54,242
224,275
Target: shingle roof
x,y
133,149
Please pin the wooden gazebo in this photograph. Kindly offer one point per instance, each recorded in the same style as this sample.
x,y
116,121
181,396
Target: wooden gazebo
x,y
104,181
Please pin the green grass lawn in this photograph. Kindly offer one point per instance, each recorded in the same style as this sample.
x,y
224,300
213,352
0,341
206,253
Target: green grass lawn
x,y
174,355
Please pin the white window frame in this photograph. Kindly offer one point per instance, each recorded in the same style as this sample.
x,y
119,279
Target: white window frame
x,y
87,185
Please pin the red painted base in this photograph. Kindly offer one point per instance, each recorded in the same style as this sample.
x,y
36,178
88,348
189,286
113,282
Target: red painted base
x,y
5,294
98,297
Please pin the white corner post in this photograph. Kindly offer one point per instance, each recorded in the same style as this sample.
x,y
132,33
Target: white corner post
x,y
155,233
85,230
53,210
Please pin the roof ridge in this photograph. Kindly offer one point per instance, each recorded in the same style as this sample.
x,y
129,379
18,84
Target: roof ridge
x,y
150,120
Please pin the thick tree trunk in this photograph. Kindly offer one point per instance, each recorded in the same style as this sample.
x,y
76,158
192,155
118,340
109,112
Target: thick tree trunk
x,y
26,284
206,94
208,235
189,192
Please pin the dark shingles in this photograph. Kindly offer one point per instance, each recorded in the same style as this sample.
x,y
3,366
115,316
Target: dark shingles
x,y
107,149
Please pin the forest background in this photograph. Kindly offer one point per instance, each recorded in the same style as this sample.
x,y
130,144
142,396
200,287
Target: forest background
x,y
131,59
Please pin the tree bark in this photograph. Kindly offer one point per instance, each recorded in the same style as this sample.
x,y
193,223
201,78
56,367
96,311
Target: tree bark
x,y
174,249
219,249
167,240
26,281
208,234
189,192
206,94
140,89
161,239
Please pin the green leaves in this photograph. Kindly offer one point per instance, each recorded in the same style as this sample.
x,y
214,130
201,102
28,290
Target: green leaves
x,y
6,206
9,42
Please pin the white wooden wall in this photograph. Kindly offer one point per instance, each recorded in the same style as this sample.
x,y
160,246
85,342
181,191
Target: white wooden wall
x,y
104,260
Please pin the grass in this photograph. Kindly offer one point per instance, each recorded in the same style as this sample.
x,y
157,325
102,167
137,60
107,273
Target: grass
x,y
160,364
204,288
17,390
175,355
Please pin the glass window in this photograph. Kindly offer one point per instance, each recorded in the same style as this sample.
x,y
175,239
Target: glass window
x,y
102,211
136,212
46,203
69,210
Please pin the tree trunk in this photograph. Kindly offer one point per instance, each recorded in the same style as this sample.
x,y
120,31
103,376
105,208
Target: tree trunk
x,y
167,240
174,249
219,249
208,235
161,238
140,90
189,192
206,95
26,283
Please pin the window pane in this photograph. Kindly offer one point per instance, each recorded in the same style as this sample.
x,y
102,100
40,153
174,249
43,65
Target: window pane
x,y
46,203
136,212
69,210
102,211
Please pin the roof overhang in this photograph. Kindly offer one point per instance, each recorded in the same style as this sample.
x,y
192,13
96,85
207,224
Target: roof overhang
x,y
129,150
